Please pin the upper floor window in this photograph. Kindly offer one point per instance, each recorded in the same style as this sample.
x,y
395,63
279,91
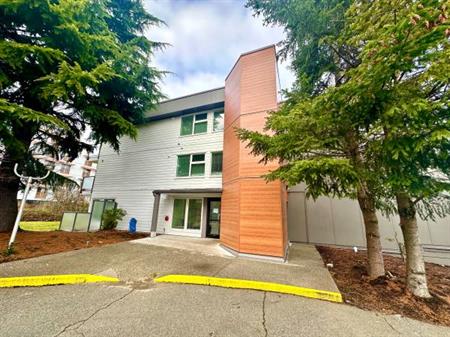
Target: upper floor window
x,y
191,165
194,124
64,169
41,192
216,162
86,173
87,184
218,121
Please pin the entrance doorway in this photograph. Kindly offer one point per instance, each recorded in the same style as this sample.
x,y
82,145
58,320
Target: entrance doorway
x,y
213,218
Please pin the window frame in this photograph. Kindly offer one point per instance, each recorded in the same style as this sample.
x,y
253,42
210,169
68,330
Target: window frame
x,y
191,155
191,162
64,168
186,216
214,119
41,192
214,174
194,122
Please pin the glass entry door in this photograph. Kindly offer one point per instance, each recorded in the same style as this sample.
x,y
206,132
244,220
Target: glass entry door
x,y
213,223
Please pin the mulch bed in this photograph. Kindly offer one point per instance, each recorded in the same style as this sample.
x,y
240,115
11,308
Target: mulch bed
x,y
32,244
388,295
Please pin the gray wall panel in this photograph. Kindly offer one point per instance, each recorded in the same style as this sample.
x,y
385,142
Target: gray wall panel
x,y
319,221
297,216
339,222
347,222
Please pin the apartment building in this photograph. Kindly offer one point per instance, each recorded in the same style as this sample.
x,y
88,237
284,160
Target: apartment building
x,y
81,170
188,174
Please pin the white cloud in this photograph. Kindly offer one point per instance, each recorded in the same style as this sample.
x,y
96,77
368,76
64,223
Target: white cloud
x,y
175,86
207,37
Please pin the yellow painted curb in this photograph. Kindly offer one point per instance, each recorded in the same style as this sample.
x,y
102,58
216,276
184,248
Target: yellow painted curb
x,y
47,280
255,285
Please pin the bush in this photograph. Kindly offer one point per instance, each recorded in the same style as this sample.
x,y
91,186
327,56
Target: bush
x,y
111,217
65,199
40,213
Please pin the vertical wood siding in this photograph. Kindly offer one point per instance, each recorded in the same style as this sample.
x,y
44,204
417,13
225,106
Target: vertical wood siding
x,y
253,219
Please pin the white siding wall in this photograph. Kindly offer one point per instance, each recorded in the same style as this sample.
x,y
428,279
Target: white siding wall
x,y
148,164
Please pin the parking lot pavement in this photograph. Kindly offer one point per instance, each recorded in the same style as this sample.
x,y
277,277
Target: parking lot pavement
x,y
137,306
187,310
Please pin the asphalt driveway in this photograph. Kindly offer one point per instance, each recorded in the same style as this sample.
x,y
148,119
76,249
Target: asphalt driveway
x,y
139,307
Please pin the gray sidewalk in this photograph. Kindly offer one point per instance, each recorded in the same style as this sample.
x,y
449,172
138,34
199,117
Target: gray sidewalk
x,y
139,260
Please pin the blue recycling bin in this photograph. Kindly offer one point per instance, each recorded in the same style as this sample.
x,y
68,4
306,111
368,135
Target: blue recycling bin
x,y
132,225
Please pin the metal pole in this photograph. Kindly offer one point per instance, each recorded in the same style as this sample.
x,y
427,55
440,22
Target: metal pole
x,y
19,214
22,204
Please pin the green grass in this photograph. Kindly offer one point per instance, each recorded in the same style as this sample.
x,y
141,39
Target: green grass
x,y
39,226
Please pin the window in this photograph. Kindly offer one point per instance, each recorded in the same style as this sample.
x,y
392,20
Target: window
x,y
65,169
218,121
41,192
194,124
198,165
216,162
194,214
87,184
179,212
187,214
191,165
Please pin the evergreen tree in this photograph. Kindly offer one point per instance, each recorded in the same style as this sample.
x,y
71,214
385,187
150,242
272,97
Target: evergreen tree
x,y
67,66
384,129
404,78
320,146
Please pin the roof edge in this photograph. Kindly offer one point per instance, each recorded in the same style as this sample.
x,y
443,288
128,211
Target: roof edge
x,y
190,95
200,108
247,53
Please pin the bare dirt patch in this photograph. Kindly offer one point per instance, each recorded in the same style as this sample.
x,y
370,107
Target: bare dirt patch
x,y
32,244
388,295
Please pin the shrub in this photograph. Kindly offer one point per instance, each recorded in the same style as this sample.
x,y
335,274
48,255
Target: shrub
x,y
40,213
111,217
65,199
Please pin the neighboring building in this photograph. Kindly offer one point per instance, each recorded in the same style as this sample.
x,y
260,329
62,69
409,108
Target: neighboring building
x,y
81,170
188,174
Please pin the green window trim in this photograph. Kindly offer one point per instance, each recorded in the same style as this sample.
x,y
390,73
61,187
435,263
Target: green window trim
x,y
216,163
194,124
191,165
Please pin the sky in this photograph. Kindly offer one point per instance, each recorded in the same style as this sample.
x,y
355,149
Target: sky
x,y
206,38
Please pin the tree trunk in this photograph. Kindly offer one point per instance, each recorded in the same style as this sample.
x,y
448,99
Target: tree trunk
x,y
374,249
9,185
416,280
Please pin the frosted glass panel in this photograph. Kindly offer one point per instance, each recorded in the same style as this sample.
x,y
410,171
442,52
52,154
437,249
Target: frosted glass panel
x,y
82,222
67,222
110,204
96,217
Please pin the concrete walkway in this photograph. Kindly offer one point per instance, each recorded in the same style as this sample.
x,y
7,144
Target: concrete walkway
x,y
200,245
146,259
139,307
